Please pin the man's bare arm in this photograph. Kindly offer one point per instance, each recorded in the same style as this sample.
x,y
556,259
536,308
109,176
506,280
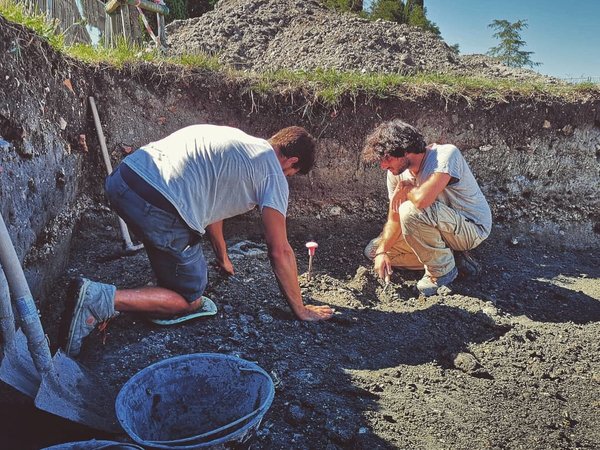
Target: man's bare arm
x,y
217,240
391,233
423,196
283,261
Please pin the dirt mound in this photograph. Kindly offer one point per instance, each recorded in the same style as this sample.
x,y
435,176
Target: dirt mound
x,y
266,35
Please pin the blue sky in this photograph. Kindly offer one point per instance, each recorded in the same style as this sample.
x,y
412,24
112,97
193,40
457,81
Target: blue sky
x,y
564,35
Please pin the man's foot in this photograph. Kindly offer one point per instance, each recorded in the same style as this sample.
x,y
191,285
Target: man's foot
x,y
92,303
467,265
207,308
371,248
429,285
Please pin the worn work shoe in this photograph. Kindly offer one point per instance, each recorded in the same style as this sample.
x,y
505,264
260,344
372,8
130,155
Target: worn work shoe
x,y
429,285
467,266
93,303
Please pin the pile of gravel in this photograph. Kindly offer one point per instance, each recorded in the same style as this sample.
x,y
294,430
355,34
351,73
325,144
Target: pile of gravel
x,y
267,35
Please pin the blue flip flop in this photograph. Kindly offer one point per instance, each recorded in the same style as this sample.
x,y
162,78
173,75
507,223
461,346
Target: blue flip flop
x,y
208,309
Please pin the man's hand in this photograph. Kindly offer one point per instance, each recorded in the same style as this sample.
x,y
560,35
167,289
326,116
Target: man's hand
x,y
314,313
215,234
400,194
285,269
225,265
383,266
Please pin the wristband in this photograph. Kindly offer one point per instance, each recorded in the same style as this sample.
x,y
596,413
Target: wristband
x,y
381,253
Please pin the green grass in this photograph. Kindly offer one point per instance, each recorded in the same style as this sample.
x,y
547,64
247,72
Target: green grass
x,y
121,53
328,87
16,12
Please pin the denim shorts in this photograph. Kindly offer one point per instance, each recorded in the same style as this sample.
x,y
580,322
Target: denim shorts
x,y
173,248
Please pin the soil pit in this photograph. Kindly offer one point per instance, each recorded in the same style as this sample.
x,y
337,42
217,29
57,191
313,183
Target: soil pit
x,y
506,361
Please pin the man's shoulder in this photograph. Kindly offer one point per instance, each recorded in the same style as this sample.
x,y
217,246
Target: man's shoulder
x,y
445,148
446,152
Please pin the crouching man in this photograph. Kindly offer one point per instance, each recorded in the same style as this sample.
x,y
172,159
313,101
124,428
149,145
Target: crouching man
x,y
436,212
172,191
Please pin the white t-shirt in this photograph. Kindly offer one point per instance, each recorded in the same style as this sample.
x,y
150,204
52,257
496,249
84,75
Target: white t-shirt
x,y
210,173
462,192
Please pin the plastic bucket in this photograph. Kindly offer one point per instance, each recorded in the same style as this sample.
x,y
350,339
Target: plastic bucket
x,y
194,401
94,445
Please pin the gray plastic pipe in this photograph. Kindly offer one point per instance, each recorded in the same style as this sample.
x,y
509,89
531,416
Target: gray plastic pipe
x,y
7,319
25,306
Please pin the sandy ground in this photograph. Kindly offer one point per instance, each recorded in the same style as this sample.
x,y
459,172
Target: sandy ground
x,y
509,361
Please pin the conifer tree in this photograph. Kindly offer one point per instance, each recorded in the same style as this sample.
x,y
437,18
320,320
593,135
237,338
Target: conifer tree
x,y
510,50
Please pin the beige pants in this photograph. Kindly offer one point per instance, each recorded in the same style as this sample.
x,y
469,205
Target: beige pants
x,y
428,237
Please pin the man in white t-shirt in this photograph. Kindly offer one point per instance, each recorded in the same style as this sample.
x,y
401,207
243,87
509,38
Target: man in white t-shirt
x,y
436,206
172,191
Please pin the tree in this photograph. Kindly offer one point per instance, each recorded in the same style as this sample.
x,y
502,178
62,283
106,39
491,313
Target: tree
x,y
411,12
509,51
392,10
177,10
415,14
345,5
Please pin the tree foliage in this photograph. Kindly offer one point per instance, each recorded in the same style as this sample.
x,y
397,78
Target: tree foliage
x,y
510,50
411,12
184,9
177,9
392,10
345,5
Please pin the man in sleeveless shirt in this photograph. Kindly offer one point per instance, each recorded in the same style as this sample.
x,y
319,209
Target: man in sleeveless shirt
x,y
436,212
171,192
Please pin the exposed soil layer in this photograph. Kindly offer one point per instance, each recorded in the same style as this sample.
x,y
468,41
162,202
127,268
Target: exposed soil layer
x,y
509,360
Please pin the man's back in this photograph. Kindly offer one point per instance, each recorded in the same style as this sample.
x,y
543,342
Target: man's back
x,y
210,173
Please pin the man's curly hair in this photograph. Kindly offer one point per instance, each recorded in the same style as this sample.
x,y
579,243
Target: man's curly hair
x,y
393,138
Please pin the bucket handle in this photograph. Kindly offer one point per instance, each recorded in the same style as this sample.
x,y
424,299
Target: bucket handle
x,y
118,446
210,433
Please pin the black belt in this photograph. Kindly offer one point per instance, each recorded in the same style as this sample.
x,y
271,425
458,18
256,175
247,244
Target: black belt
x,y
142,188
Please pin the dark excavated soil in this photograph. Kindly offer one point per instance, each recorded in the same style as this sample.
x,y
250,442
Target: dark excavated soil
x,y
508,361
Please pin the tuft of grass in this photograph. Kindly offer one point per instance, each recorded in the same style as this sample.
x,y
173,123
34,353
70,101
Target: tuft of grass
x,y
34,19
331,86
118,55
201,61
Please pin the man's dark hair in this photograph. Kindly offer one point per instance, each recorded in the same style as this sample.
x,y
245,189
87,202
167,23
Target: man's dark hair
x,y
395,138
296,141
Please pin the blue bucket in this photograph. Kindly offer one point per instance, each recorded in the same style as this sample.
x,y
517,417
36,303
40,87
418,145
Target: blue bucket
x,y
94,445
194,401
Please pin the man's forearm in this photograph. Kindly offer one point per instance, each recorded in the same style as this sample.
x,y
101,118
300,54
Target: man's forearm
x,y
391,233
217,240
286,273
